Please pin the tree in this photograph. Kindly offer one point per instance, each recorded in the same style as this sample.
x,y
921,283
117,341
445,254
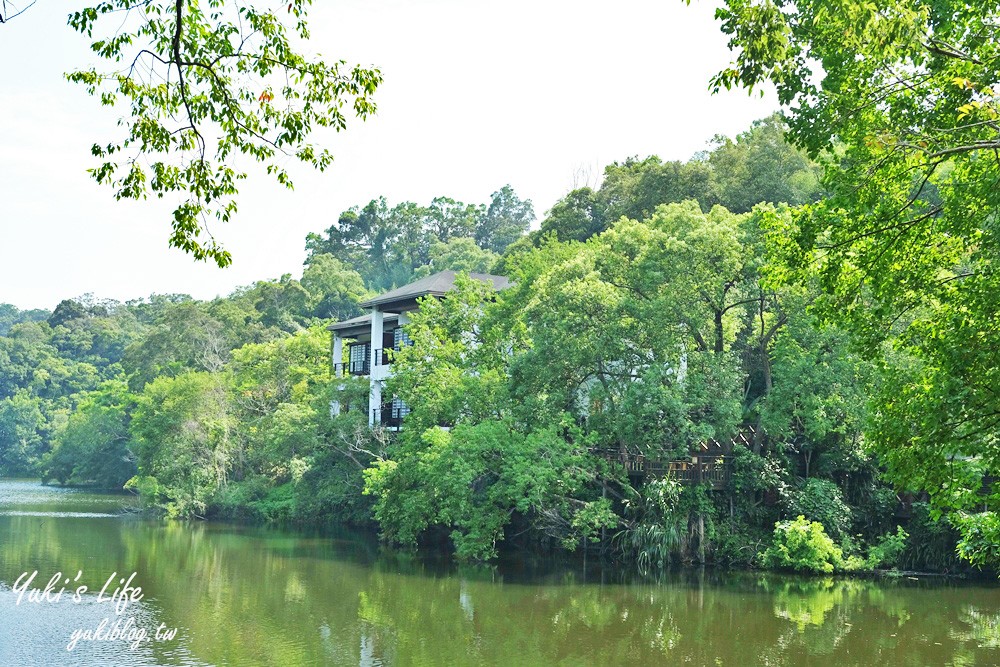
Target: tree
x,y
184,338
335,289
274,386
761,166
203,84
474,478
454,371
447,218
577,216
652,308
506,220
817,403
21,433
66,311
634,188
94,448
11,315
282,304
900,98
384,245
458,254
389,247
98,336
183,433
31,362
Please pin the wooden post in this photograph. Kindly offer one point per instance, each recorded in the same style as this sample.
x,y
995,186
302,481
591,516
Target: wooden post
x,y
701,515
604,494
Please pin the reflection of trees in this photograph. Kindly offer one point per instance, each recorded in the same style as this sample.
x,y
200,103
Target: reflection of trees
x,y
807,603
980,628
254,596
50,545
889,621
819,612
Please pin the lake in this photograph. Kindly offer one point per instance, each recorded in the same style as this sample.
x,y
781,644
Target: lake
x,y
238,595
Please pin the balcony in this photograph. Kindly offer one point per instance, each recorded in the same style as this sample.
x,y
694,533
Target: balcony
x,y
387,418
359,355
359,367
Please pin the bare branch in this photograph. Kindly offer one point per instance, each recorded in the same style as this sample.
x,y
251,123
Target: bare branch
x,y
18,12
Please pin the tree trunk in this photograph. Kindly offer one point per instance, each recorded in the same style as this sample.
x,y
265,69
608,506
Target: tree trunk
x,y
719,334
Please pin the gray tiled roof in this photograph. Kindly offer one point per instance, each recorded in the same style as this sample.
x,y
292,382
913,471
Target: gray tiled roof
x,y
437,284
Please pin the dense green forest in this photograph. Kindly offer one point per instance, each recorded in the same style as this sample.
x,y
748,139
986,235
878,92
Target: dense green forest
x,y
652,313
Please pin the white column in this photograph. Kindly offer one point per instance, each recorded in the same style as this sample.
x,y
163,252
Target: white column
x,y
337,357
375,393
682,369
338,354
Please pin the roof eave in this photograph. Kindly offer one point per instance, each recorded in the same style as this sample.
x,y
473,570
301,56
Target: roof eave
x,y
356,322
400,300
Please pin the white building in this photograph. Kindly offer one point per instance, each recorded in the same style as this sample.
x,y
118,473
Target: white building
x,y
370,336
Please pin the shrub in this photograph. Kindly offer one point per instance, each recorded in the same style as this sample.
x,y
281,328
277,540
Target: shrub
x,y
659,531
278,506
821,500
980,543
329,492
932,542
802,546
738,543
887,551
235,500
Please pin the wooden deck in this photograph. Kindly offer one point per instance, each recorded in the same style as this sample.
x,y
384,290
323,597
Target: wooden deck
x,y
704,469
710,465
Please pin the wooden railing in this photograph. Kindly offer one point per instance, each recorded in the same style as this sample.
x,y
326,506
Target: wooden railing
x,y
709,469
710,465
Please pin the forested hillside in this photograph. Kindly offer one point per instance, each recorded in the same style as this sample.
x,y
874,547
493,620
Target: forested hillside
x,y
645,315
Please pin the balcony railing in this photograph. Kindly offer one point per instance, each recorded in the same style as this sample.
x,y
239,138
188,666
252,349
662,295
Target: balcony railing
x,y
357,367
352,368
387,417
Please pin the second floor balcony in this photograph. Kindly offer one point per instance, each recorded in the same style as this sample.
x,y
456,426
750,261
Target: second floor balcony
x,y
391,413
360,359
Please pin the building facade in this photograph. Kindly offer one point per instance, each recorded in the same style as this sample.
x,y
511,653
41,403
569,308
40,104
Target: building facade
x,y
361,344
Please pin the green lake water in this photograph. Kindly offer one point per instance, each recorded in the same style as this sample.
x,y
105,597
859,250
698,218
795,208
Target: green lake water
x,y
250,596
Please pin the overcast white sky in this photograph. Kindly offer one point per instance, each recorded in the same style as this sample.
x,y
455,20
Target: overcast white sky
x,y
477,94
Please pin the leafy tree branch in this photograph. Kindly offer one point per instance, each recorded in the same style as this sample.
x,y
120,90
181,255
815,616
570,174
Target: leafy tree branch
x,y
206,87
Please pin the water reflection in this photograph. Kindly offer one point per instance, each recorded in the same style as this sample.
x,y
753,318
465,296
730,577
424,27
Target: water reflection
x,y
977,627
265,597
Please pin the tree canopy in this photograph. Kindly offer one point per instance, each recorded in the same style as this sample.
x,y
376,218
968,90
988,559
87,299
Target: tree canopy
x,y
899,99
757,166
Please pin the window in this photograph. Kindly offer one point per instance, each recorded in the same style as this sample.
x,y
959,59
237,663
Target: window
x,y
399,338
360,357
399,408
